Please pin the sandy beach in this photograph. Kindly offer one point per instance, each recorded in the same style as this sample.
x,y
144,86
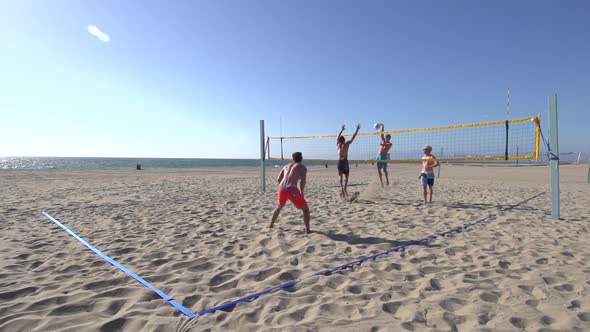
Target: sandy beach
x,y
201,236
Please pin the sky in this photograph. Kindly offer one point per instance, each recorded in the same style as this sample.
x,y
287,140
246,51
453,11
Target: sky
x,y
192,78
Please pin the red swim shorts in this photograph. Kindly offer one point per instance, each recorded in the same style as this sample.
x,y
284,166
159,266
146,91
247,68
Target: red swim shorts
x,y
293,194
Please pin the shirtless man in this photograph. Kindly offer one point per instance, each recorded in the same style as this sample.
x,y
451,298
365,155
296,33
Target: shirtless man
x,y
288,179
343,169
429,162
384,155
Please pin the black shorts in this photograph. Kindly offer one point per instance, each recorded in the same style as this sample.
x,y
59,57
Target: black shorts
x,y
343,167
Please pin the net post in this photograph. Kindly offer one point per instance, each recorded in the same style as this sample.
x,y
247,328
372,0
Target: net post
x,y
537,136
588,179
262,170
554,157
506,148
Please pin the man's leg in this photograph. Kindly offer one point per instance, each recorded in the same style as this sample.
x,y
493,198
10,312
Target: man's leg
x,y
430,189
346,184
425,193
275,215
341,185
306,218
386,176
380,176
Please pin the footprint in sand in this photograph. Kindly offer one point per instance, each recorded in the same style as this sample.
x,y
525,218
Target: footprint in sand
x,y
527,289
391,307
453,320
393,266
189,301
18,293
452,304
575,305
532,303
355,289
518,322
584,316
489,297
542,261
114,325
483,319
385,297
568,254
435,285
564,288
546,320
550,280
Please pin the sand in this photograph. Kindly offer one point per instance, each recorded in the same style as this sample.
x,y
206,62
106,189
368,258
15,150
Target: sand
x,y
201,236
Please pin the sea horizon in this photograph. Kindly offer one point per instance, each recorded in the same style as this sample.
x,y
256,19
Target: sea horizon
x,y
26,162
39,163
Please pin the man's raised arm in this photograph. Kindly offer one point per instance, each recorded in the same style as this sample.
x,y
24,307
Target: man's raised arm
x,y
358,126
340,133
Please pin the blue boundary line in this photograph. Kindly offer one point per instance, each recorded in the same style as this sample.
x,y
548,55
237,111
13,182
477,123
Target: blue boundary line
x,y
161,294
358,262
288,284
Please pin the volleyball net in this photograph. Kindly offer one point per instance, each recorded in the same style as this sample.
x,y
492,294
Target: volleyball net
x,y
497,140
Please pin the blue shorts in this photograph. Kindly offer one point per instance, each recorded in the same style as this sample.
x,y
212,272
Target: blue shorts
x,y
382,157
427,179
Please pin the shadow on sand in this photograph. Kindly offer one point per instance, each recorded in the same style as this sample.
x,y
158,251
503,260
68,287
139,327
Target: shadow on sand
x,y
355,239
484,206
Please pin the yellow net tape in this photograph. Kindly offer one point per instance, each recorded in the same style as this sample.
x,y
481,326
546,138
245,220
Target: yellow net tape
x,y
485,141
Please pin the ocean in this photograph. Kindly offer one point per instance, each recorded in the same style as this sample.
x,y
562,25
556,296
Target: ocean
x,y
131,163
119,163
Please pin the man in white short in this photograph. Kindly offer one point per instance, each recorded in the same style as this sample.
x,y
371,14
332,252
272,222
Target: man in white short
x,y
429,162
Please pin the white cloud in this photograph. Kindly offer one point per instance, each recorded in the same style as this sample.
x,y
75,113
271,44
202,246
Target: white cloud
x,y
98,34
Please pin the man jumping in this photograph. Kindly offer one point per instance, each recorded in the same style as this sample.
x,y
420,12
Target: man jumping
x,y
384,155
343,168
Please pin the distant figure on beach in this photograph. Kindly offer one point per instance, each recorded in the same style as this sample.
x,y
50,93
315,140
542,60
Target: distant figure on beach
x,y
429,162
291,175
343,168
384,148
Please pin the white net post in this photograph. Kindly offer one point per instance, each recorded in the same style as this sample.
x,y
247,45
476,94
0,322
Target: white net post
x,y
262,170
554,157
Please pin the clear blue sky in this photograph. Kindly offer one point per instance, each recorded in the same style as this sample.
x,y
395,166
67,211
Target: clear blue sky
x,y
193,78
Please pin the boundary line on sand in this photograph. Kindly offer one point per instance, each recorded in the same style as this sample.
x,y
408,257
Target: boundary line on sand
x,y
288,284
161,294
359,261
